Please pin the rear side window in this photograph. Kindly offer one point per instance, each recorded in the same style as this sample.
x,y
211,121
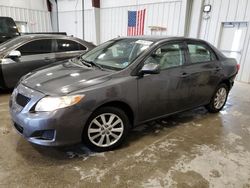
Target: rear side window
x,y
68,45
36,47
200,53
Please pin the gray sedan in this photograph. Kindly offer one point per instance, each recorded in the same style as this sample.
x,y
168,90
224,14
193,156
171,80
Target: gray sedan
x,y
28,52
98,97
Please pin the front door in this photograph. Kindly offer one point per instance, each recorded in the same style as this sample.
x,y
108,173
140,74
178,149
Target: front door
x,y
34,54
166,92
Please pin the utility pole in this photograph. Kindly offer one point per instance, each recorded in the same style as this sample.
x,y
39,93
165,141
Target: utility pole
x,y
83,20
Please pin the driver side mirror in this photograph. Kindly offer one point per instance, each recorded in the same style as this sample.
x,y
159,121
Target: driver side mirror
x,y
150,68
14,54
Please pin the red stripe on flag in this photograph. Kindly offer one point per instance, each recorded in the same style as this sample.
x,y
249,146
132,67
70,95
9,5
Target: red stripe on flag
x,y
140,19
143,20
141,27
138,23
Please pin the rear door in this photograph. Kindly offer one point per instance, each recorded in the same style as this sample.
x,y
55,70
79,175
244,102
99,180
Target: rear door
x,y
166,92
203,72
34,54
67,49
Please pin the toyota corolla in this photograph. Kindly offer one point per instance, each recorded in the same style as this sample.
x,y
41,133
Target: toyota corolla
x,y
98,97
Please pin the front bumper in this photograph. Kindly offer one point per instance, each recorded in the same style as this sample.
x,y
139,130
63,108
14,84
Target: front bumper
x,y
64,126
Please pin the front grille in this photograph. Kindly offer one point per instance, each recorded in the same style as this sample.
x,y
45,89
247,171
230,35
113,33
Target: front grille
x,y
18,127
22,100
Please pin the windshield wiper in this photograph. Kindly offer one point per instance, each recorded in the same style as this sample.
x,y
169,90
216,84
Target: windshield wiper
x,y
91,63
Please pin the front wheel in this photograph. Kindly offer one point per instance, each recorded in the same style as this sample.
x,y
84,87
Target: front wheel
x,y
219,99
106,129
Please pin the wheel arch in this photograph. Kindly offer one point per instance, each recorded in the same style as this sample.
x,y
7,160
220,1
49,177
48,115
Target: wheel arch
x,y
227,82
121,105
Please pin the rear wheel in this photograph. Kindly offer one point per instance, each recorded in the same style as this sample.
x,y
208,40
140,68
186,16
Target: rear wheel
x,y
219,99
106,129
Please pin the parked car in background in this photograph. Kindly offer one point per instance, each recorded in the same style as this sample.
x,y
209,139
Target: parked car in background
x,y
28,52
122,83
8,29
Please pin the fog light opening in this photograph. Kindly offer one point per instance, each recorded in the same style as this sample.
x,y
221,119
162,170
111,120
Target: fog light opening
x,y
44,135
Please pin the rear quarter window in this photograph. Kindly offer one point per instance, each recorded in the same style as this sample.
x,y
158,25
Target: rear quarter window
x,y
69,45
199,53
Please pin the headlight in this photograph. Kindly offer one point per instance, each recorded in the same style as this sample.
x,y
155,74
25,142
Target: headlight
x,y
48,104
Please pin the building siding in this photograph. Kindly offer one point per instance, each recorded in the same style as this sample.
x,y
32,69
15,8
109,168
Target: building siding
x,y
36,17
174,15
164,14
228,11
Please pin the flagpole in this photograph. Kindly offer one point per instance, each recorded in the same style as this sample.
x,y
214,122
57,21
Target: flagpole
x,y
83,19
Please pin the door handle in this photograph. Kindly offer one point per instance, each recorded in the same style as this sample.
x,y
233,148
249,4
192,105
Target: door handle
x,y
184,75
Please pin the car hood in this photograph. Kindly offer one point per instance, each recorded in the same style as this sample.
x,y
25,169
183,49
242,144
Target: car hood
x,y
65,78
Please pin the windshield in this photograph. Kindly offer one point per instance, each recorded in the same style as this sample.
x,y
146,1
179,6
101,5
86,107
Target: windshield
x,y
117,54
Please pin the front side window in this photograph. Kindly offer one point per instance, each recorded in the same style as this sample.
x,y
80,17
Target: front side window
x,y
200,53
68,45
42,46
117,54
167,56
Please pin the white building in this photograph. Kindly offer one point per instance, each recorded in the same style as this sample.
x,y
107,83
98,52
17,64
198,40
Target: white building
x,y
29,16
226,19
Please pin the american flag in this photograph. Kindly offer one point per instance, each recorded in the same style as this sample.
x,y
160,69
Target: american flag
x,y
136,22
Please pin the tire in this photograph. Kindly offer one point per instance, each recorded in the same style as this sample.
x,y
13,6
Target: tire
x,y
106,129
219,99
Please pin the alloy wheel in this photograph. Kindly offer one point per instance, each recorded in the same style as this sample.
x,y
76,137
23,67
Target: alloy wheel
x,y
220,98
105,130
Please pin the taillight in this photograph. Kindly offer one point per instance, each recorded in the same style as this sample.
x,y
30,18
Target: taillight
x,y
238,67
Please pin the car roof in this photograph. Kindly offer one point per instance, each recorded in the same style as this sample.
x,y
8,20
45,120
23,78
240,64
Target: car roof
x,y
11,44
155,38
43,36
